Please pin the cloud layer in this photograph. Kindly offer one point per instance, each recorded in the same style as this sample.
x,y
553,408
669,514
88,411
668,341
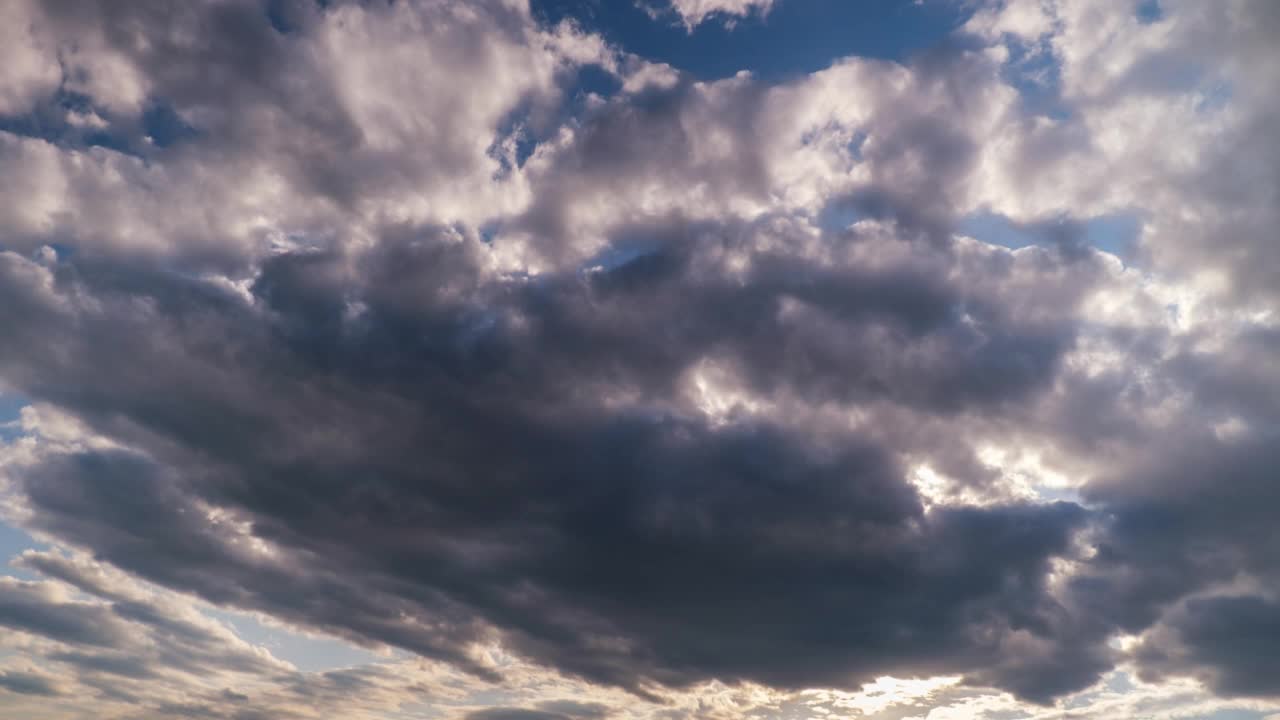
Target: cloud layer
x,y
372,320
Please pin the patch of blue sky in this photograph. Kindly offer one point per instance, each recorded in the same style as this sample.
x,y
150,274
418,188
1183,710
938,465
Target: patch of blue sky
x,y
71,119
162,124
618,255
856,144
1214,97
1034,71
796,37
1149,11
1116,683
1051,494
1119,682
628,247
996,229
838,216
527,125
62,251
306,652
1115,233
280,15
51,121
13,541
11,405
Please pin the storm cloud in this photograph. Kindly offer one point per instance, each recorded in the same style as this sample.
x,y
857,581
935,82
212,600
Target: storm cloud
x,y
374,320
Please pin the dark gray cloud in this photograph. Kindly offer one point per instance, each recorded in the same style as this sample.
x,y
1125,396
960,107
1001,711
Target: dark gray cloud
x,y
168,660
655,429
1228,641
128,649
129,666
27,607
28,683
555,521
1185,520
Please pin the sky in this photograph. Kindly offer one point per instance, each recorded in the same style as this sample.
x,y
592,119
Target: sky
x,y
639,360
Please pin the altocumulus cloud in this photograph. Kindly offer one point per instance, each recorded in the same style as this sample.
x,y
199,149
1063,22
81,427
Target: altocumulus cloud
x,y
580,386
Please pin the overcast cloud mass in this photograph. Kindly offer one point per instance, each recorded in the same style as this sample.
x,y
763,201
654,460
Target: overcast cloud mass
x,y
505,360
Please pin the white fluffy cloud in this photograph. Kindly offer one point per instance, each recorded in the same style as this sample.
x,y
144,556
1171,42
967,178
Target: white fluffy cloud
x,y
28,67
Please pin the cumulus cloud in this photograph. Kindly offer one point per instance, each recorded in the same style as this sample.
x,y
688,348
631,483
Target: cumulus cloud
x,y
1166,118
693,13
688,397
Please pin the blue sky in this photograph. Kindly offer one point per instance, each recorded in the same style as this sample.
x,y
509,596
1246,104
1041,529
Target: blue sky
x,y
12,540
794,38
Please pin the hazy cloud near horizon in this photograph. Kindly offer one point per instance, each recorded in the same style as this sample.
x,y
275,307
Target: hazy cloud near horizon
x,y
578,385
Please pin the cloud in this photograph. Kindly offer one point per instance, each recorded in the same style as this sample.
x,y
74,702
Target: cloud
x,y
127,649
26,683
656,474
212,125
1222,639
553,710
693,13
29,70
366,319
34,608
1164,117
